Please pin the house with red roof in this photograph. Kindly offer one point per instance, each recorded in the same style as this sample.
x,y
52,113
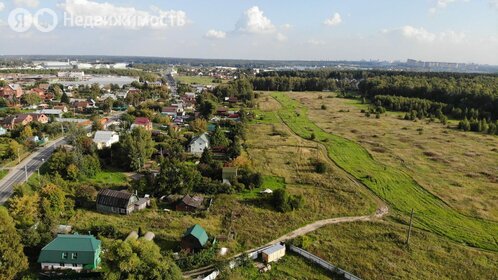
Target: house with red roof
x,y
142,122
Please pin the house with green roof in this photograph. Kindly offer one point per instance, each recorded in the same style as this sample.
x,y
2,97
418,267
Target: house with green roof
x,y
195,238
75,252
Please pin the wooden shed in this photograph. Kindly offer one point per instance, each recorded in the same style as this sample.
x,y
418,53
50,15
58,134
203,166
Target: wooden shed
x,y
273,253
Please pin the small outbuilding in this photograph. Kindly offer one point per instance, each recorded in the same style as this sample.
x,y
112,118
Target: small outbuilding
x,y
273,253
195,238
190,204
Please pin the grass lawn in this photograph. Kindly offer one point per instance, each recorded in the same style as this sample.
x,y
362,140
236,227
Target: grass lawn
x,y
108,178
200,80
392,184
3,173
290,267
377,251
269,182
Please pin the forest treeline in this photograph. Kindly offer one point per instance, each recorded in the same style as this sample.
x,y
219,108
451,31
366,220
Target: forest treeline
x,y
460,93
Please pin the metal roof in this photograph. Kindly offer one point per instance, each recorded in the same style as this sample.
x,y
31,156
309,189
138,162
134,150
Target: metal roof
x,y
197,232
273,249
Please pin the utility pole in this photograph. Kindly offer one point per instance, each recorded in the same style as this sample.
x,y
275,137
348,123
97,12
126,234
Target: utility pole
x,y
409,229
18,155
26,172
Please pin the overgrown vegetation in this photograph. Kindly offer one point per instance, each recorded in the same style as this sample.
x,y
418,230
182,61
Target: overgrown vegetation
x,y
393,185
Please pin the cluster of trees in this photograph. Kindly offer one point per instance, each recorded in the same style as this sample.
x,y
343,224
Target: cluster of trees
x,y
283,83
285,202
138,259
479,92
477,125
12,261
131,152
240,88
408,104
81,161
416,108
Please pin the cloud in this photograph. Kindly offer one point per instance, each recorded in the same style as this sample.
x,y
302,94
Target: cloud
x,y
215,34
281,37
315,42
288,26
106,15
255,22
442,4
2,6
334,20
493,4
422,35
27,3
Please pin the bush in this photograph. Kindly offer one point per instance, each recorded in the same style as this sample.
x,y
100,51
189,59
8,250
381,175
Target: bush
x,y
320,166
284,202
324,107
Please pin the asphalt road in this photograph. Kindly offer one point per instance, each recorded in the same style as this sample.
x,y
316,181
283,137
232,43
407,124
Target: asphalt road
x,y
31,164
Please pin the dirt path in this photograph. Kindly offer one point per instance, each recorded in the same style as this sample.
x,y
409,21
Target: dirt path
x,y
381,212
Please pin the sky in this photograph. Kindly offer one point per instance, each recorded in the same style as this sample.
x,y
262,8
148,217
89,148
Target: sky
x,y
429,30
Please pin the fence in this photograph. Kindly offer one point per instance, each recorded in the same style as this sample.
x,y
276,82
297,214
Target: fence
x,y
322,263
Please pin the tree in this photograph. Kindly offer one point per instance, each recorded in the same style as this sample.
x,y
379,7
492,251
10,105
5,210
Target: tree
x,y
97,124
31,99
207,157
219,139
139,147
207,109
26,133
12,259
285,202
176,177
199,125
53,202
138,259
65,99
24,210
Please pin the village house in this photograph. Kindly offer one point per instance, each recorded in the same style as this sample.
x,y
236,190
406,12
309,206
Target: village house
x,y
105,139
63,108
38,91
142,122
222,111
171,111
119,202
39,117
11,122
71,252
11,91
199,144
195,238
51,112
190,204
80,106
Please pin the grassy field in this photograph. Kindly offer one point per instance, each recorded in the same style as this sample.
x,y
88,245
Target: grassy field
x,y
290,267
3,173
392,184
461,168
199,80
108,178
377,251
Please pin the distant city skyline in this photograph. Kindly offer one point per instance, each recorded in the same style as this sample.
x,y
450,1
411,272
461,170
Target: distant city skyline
x,y
462,31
